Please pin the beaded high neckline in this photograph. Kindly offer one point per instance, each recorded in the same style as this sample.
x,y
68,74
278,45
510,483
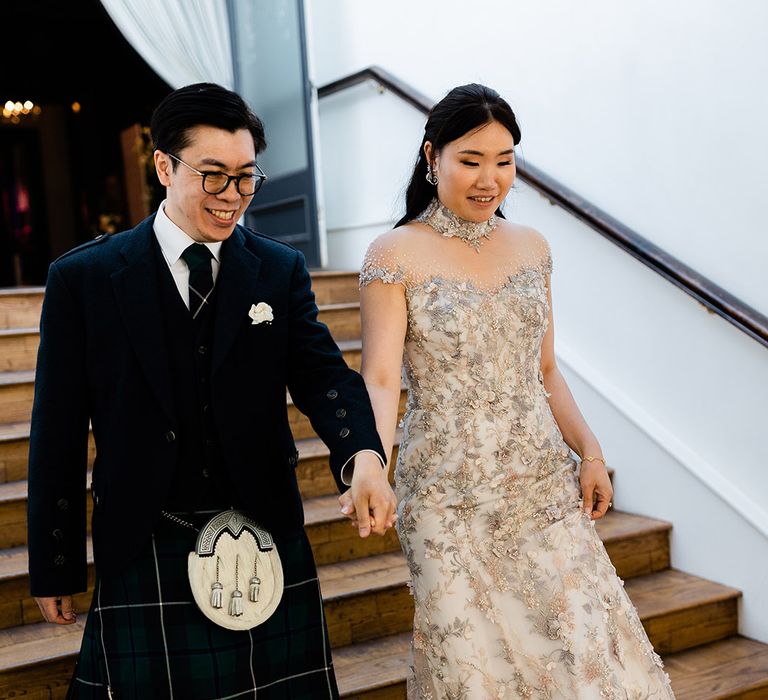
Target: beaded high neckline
x,y
448,224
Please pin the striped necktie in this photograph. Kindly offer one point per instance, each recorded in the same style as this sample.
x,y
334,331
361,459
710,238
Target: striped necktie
x,y
198,259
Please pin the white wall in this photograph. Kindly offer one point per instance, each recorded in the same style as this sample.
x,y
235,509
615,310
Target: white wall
x,y
676,394
653,110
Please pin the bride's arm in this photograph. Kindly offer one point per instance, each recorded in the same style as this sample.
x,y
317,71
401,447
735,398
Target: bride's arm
x,y
384,320
595,485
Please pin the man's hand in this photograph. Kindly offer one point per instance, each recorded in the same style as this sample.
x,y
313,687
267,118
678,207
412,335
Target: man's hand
x,y
370,503
57,609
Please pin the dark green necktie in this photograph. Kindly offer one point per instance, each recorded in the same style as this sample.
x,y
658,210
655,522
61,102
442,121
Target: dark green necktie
x,y
198,259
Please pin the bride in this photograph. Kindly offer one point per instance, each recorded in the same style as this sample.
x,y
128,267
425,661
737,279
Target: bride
x,y
514,593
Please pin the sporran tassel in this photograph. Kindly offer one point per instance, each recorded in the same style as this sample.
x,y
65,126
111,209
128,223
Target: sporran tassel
x,y
217,596
253,592
217,591
236,601
236,604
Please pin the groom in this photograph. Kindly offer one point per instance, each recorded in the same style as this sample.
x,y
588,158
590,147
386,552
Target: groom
x,y
177,341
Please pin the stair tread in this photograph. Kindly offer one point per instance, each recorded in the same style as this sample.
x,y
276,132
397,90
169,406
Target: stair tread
x,y
720,669
617,525
367,666
671,590
30,645
20,291
21,330
18,430
19,376
347,578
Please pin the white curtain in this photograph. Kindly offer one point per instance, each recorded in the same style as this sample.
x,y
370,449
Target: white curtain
x,y
184,41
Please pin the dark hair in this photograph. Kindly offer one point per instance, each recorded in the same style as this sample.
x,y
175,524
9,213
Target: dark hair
x,y
202,104
463,109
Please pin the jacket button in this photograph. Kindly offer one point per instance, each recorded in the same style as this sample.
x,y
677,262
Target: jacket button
x,y
344,432
332,394
60,560
292,461
202,349
206,473
170,436
63,504
341,413
58,534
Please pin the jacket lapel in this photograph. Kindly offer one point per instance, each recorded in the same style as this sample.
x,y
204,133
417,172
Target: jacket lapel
x,y
237,285
137,291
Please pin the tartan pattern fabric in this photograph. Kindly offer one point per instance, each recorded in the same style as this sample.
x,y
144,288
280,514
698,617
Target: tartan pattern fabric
x,y
159,645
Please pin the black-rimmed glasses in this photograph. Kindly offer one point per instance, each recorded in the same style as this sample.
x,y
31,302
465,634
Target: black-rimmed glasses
x,y
215,182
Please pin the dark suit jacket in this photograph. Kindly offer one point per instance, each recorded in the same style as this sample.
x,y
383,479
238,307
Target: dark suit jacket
x,y
102,358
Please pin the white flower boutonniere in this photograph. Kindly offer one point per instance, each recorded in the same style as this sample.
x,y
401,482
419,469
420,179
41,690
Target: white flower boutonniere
x,y
261,313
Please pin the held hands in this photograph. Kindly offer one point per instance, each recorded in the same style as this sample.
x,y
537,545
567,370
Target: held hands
x,y
57,609
370,503
596,489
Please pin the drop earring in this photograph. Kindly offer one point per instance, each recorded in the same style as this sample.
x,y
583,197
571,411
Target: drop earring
x,y
431,175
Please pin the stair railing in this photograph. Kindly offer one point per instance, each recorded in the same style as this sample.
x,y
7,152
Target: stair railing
x,y
713,297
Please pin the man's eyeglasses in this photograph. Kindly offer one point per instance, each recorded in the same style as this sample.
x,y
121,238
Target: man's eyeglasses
x,y
216,182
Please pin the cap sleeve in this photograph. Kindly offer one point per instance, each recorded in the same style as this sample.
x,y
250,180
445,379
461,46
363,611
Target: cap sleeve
x,y
380,263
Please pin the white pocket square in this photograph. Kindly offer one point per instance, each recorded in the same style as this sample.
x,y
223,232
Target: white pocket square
x,y
260,313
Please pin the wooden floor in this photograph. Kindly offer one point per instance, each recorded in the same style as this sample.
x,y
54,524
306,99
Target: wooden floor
x,y
691,621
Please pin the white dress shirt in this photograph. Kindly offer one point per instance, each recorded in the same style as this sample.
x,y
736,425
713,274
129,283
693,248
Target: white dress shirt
x,y
173,242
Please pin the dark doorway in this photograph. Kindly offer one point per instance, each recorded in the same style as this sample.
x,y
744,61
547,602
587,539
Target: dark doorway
x,y
62,167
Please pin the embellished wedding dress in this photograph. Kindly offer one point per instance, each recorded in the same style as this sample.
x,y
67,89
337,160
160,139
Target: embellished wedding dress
x,y
514,593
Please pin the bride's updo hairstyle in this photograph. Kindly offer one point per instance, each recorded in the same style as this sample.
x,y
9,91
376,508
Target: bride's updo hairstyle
x,y
462,110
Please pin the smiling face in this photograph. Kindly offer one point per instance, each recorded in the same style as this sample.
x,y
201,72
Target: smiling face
x,y
207,217
475,172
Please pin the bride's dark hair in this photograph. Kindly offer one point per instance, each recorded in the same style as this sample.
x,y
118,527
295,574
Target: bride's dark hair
x,y
463,109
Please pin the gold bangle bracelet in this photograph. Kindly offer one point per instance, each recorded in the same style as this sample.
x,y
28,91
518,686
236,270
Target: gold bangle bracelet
x,y
589,458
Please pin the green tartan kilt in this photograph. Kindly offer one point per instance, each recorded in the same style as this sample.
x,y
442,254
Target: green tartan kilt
x,y
146,638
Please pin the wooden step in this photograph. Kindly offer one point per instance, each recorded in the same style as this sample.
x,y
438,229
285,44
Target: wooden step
x,y
17,391
636,545
36,661
18,348
335,286
20,306
368,598
40,657
333,540
14,451
343,320
17,388
680,611
373,670
736,667
731,669
313,472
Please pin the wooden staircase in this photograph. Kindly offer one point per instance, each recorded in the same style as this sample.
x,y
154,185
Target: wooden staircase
x,y
692,622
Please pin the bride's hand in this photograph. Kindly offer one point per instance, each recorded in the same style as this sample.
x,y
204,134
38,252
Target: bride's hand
x,y
370,504
596,489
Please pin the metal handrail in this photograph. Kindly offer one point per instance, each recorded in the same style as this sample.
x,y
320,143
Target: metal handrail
x,y
712,296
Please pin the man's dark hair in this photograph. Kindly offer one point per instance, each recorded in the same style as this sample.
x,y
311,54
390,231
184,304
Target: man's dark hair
x,y
201,104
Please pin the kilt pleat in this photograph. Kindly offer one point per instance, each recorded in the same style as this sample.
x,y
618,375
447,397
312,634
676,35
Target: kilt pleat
x,y
146,638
